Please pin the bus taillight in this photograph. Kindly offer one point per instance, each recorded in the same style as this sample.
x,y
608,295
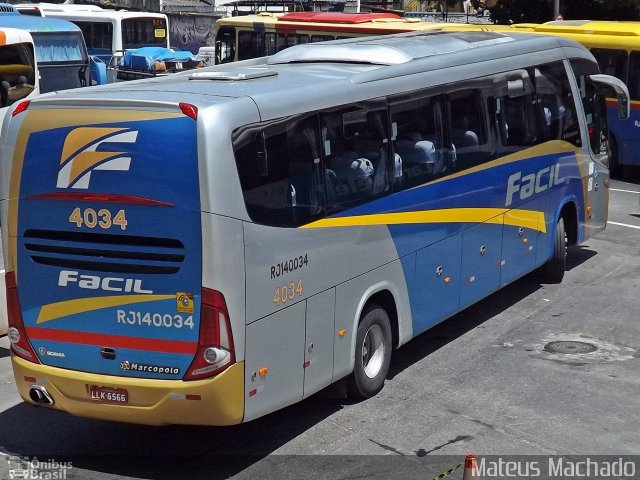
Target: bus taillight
x,y
22,106
215,344
17,334
189,110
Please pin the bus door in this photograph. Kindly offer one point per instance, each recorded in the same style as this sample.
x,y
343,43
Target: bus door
x,y
599,143
225,45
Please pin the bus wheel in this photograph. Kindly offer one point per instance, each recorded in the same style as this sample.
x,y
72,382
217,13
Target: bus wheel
x,y
372,354
553,271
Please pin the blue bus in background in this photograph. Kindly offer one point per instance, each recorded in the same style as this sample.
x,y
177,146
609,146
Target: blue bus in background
x,y
60,51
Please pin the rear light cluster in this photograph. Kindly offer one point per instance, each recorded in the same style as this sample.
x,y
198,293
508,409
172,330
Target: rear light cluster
x,y
17,334
215,344
22,106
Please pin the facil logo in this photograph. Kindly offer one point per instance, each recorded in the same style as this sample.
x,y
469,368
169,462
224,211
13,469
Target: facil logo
x,y
81,154
93,282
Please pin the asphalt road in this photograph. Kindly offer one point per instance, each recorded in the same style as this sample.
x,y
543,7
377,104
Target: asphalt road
x,y
481,382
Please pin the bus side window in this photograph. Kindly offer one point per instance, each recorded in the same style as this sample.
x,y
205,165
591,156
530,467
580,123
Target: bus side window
x,y
467,126
612,61
357,153
419,138
514,112
250,45
274,42
297,39
634,75
280,171
321,38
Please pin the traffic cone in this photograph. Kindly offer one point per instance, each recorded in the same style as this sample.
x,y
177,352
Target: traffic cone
x,y
470,468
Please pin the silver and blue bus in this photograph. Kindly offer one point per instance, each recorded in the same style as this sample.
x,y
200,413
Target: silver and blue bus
x,y
211,246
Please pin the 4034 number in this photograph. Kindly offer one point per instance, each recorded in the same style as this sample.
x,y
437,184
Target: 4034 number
x,y
288,292
103,218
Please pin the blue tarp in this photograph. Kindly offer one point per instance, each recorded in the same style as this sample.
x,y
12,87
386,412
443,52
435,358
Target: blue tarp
x,y
144,58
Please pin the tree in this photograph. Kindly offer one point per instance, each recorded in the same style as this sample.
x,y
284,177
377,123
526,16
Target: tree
x,y
601,9
520,11
538,11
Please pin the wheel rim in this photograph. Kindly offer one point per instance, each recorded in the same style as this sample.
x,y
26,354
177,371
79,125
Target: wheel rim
x,y
373,351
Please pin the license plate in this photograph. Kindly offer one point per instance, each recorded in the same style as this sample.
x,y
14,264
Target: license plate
x,y
108,395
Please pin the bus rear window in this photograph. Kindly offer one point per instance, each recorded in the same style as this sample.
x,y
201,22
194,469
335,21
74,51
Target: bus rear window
x,y
56,47
140,32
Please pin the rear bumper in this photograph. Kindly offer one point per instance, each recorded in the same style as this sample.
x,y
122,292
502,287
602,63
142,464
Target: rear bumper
x,y
216,401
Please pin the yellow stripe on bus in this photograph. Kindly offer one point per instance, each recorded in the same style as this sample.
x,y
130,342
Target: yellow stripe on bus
x,y
57,310
532,219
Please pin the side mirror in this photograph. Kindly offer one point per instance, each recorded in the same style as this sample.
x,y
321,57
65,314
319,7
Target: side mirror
x,y
621,90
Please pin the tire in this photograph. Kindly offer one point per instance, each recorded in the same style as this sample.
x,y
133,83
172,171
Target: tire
x,y
372,353
553,271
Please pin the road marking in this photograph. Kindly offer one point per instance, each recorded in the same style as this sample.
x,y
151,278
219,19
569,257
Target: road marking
x,y
623,225
621,190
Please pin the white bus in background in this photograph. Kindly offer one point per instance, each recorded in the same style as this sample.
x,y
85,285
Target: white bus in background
x,y
108,32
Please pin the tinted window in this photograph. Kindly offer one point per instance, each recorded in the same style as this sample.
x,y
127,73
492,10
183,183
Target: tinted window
x,y
97,35
558,105
280,171
321,38
274,42
250,45
467,127
357,152
297,39
612,62
634,76
420,138
594,106
138,32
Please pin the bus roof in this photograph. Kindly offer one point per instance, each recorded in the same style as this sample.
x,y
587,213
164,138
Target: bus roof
x,y
313,73
321,20
10,35
590,27
11,18
84,11
336,17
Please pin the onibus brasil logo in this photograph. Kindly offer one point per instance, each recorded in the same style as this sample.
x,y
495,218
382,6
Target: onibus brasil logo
x,y
81,154
34,469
